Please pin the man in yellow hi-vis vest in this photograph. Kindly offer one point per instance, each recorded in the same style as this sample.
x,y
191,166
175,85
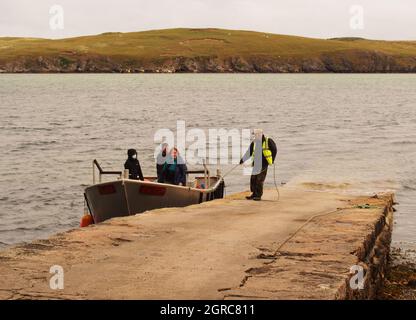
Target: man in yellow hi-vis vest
x,y
263,152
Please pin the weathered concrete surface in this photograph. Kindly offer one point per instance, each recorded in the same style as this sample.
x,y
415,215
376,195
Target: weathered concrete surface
x,y
223,249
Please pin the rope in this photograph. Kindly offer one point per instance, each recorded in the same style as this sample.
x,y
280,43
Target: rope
x,y
229,171
302,226
278,198
275,182
274,177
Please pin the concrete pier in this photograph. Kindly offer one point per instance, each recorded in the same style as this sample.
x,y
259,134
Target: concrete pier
x,y
301,247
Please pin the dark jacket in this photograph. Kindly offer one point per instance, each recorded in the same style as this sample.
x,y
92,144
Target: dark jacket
x,y
135,171
176,176
160,162
272,147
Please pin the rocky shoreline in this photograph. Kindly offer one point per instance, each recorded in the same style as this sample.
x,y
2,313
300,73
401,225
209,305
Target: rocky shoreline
x,y
400,282
355,61
209,50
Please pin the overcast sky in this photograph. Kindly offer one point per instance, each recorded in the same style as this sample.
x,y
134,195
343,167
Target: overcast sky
x,y
383,19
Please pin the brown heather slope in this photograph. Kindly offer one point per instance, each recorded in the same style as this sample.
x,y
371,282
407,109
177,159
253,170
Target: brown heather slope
x,y
204,50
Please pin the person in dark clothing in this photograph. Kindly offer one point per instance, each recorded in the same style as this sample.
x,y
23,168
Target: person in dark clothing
x,y
263,153
174,169
161,159
133,165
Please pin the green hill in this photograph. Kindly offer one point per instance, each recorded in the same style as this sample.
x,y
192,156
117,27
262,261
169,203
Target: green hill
x,y
204,50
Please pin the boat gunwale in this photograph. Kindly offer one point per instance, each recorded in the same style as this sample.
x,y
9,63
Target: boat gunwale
x,y
212,189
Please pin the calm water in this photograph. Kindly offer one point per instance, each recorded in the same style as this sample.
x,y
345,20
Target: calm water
x,y
354,130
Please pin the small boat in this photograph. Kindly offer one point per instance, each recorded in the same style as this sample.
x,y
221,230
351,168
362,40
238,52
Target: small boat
x,y
124,197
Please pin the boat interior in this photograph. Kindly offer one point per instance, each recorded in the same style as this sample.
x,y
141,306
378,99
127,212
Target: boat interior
x,y
194,178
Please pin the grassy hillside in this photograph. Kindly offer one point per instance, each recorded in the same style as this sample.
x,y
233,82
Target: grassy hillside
x,y
204,50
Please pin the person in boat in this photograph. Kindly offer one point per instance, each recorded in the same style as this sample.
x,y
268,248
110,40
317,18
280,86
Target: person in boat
x,y
133,165
161,159
174,169
263,153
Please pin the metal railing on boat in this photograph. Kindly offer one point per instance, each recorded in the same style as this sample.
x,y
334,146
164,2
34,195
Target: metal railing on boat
x,y
95,164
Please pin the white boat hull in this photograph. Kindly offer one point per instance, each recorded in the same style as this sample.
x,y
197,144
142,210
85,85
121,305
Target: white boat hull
x,y
129,197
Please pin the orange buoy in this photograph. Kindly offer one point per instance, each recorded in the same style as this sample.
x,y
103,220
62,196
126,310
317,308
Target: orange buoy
x,y
86,220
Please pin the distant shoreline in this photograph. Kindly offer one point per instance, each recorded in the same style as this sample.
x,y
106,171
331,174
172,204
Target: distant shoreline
x,y
205,51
